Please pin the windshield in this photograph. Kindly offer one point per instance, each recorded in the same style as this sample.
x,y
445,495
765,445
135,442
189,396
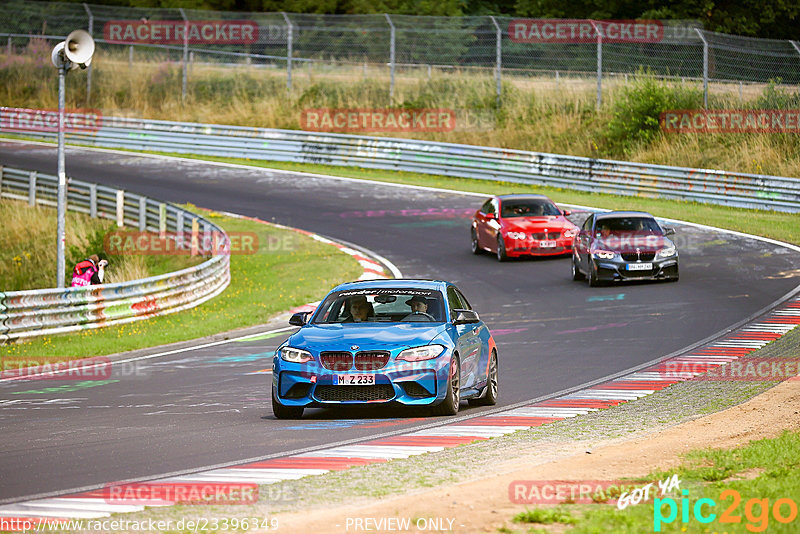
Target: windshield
x,y
391,305
628,225
528,208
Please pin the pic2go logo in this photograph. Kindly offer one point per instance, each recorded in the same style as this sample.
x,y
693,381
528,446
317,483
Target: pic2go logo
x,y
756,511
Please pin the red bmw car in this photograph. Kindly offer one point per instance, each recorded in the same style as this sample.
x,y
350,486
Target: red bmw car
x,y
522,225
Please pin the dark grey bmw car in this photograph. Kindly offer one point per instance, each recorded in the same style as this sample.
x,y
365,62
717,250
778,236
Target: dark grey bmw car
x,y
623,245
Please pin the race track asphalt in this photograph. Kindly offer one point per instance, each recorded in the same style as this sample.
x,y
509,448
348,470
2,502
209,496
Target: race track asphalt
x,y
201,407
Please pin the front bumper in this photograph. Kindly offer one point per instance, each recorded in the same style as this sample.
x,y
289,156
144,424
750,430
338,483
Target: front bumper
x,y
414,384
531,247
619,270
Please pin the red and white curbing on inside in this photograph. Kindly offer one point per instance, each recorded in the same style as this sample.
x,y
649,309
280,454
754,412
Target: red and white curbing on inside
x,y
729,348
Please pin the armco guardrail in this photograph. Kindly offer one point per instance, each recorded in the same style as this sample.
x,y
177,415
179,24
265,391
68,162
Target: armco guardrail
x,y
52,311
569,172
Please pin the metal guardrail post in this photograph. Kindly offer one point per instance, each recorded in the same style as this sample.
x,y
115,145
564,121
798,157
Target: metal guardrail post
x,y
195,236
162,220
1,181
32,188
499,66
142,214
185,79
391,55
93,201
89,68
120,208
599,63
179,230
705,67
289,44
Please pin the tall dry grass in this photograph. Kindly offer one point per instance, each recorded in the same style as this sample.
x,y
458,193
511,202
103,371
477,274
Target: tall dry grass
x,y
28,255
537,113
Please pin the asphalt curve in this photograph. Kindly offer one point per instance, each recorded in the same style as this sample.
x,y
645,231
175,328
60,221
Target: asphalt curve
x,y
201,407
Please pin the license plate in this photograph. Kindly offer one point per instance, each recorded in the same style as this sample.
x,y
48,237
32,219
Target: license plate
x,y
547,244
640,266
355,380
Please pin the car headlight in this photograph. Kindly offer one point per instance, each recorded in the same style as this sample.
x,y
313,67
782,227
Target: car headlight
x,y
516,235
418,354
570,233
293,355
604,254
666,252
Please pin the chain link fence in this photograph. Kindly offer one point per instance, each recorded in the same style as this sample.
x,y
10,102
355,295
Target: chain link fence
x,y
392,46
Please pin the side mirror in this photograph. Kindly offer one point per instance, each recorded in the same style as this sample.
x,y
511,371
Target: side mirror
x,y
299,319
669,230
566,213
466,317
491,216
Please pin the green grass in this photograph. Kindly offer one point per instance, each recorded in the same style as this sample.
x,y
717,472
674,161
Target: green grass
x,y
546,516
270,281
764,469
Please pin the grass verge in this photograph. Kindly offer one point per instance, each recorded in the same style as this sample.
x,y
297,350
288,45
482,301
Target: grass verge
x,y
288,269
753,488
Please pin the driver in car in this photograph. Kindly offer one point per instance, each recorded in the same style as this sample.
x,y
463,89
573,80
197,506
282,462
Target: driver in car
x,y
419,309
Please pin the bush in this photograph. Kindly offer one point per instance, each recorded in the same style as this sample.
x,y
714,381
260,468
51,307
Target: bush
x,y
636,111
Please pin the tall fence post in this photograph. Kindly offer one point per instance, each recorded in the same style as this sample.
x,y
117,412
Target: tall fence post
x,y
185,80
289,46
705,67
32,188
599,63
93,201
391,55
499,66
89,70
120,208
142,214
794,44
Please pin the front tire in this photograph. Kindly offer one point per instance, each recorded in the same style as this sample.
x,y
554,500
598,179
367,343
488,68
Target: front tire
x,y
593,280
501,248
449,406
285,412
476,249
489,397
576,273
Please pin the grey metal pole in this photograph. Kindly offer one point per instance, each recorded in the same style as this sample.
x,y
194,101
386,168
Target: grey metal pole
x,y
705,67
185,80
796,46
89,70
391,55
599,64
62,180
289,46
498,68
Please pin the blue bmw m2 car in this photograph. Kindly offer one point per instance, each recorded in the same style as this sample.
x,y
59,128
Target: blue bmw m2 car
x,y
412,342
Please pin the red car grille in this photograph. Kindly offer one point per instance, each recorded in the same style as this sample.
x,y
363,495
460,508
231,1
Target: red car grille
x,y
546,236
371,360
336,361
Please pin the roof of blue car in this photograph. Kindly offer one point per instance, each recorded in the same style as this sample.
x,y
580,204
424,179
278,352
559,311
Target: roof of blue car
x,y
394,282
